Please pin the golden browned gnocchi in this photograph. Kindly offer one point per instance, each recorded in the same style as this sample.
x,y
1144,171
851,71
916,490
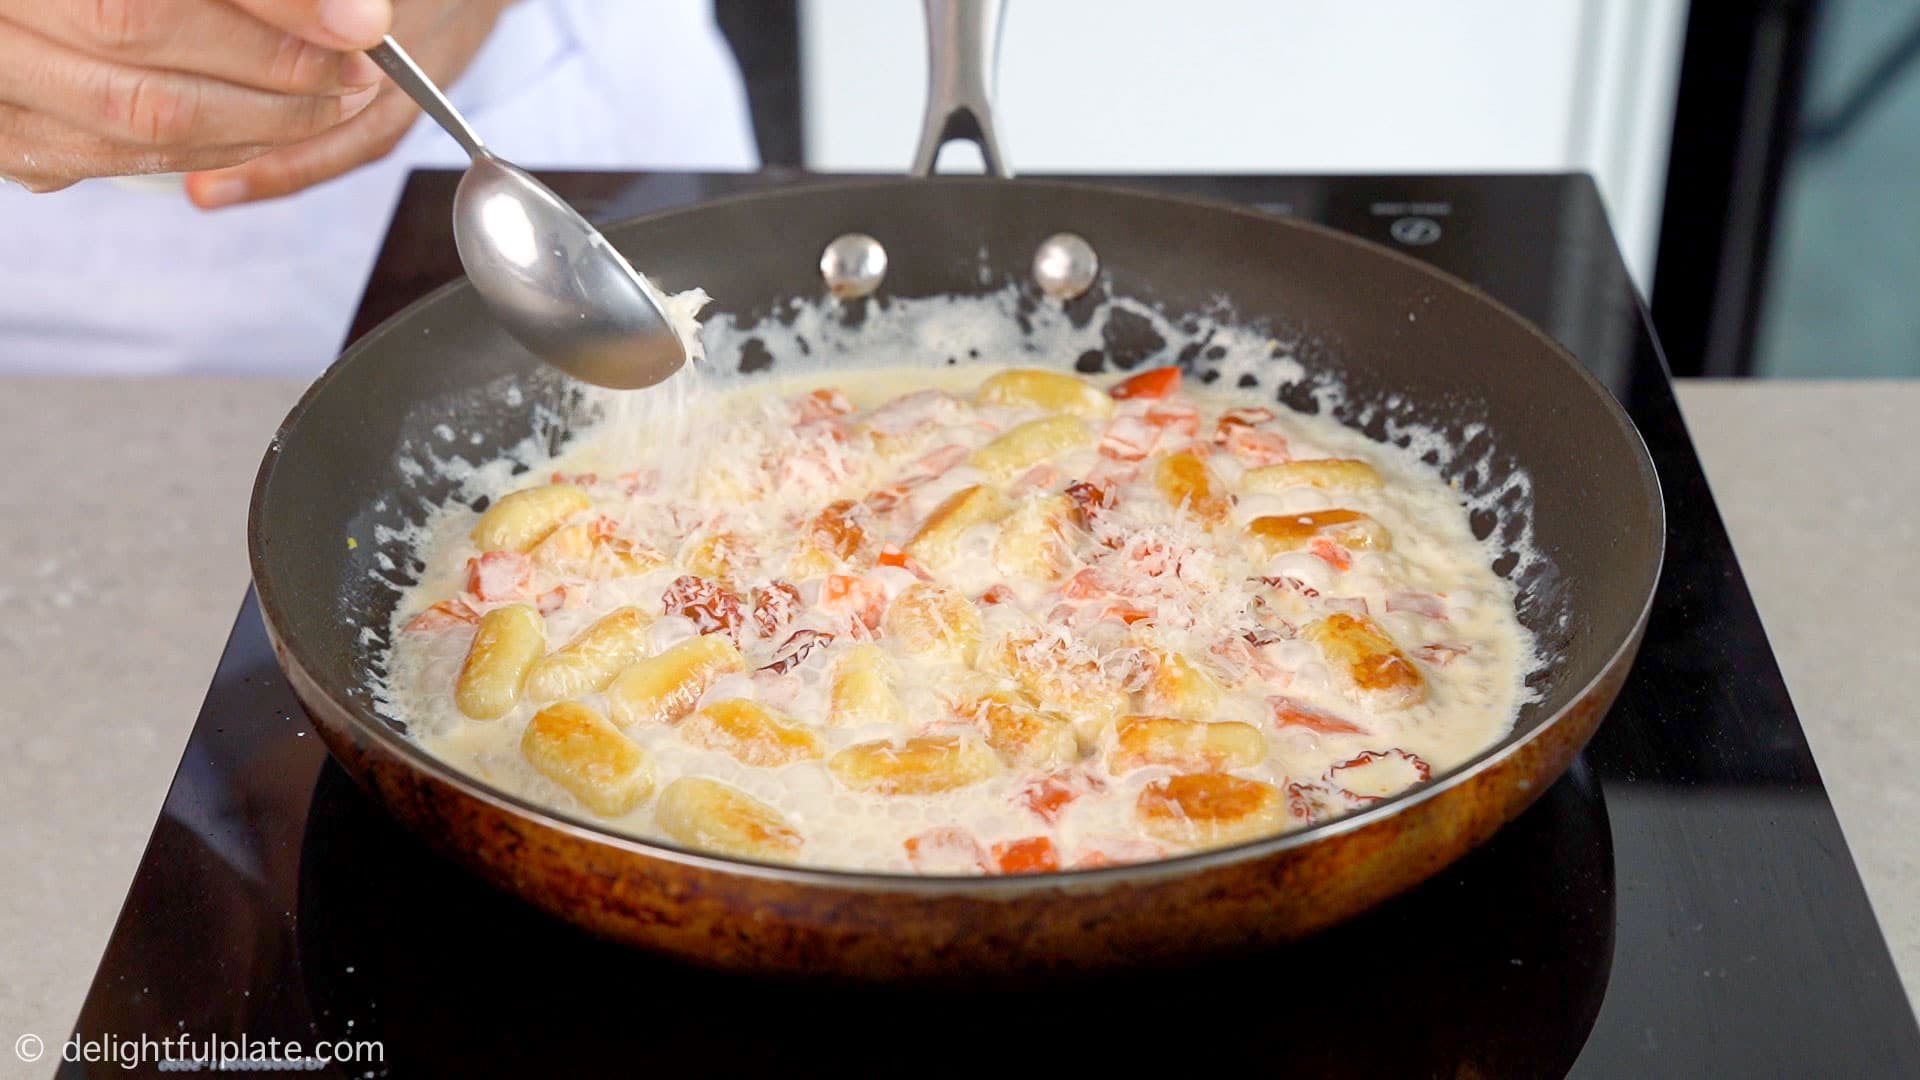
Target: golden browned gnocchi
x,y
965,621
1210,809
575,747
917,766
1053,391
662,689
518,521
717,817
934,541
589,662
751,732
505,646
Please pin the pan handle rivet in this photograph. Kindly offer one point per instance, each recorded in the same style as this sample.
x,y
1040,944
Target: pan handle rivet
x,y
1064,266
853,265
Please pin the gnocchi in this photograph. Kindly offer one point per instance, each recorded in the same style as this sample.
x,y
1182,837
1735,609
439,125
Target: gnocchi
x,y
589,662
663,689
1053,391
717,817
505,646
751,732
919,766
964,620
1210,809
1348,528
933,542
1029,444
1327,474
1184,745
576,748
862,690
518,521
1368,659
1020,731
935,621
1188,484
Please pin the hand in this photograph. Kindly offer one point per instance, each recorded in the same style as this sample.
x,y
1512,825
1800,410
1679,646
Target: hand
x,y
117,87
441,35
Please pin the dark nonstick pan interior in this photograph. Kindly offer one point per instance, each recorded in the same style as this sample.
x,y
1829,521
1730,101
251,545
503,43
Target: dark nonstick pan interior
x,y
354,462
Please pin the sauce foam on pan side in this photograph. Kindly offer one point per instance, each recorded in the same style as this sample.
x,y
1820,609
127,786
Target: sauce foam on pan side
x,y
926,600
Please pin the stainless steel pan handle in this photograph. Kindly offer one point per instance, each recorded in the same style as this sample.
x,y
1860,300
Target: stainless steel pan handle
x,y
963,50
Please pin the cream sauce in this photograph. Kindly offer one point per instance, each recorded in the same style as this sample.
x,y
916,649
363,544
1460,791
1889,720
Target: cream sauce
x,y
759,473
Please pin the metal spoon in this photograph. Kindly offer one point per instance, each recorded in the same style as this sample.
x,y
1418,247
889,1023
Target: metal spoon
x,y
549,277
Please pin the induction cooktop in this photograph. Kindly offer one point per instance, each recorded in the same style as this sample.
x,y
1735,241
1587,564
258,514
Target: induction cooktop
x,y
1682,903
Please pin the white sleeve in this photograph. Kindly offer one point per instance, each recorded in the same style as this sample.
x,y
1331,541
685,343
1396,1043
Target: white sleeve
x,y
648,85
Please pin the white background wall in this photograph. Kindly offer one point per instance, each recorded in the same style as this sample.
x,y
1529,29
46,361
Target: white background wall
x,y
1280,86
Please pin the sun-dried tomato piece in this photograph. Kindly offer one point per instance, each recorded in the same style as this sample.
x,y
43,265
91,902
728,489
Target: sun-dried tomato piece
x,y
635,481
947,850
1256,448
1331,553
1128,438
445,614
712,607
1313,802
1089,500
795,650
1031,855
1440,653
1126,613
1047,797
1246,416
999,594
1288,710
1174,418
1292,583
837,528
821,404
1259,636
934,463
1049,793
1087,584
882,499
495,576
860,600
1351,605
1269,624
1376,774
894,555
774,606
1424,604
1157,383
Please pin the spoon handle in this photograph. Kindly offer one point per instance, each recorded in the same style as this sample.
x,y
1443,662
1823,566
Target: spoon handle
x,y
407,76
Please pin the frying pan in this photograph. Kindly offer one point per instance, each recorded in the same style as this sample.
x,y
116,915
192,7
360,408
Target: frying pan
x,y
353,466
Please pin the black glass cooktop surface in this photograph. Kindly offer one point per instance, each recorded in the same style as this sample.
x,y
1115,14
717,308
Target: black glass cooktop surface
x,y
1680,904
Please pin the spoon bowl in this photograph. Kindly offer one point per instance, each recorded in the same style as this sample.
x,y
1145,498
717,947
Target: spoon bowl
x,y
549,278
556,284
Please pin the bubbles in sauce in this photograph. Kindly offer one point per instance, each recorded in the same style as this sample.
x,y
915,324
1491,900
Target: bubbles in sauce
x,y
1132,602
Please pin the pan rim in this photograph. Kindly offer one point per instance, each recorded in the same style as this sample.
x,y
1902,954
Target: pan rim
x,y
370,725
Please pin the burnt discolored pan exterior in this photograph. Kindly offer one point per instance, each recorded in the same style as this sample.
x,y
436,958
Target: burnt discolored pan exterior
x,y
1409,344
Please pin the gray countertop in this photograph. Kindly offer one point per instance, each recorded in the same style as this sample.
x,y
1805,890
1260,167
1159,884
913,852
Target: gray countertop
x,y
126,562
